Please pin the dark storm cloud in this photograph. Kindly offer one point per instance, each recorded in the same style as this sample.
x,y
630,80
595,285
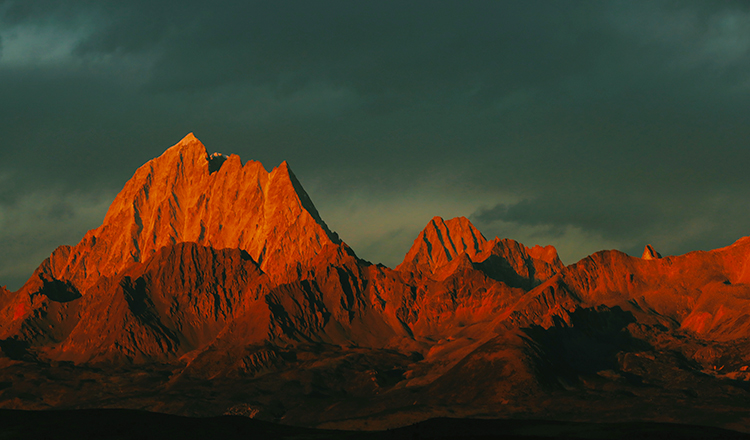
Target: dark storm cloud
x,y
687,222
625,120
384,49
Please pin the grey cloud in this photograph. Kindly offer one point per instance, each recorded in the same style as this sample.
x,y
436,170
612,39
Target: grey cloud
x,y
35,225
677,224
612,216
612,117
384,50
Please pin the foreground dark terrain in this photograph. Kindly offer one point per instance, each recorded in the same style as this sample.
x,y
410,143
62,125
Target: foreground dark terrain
x,y
122,424
214,288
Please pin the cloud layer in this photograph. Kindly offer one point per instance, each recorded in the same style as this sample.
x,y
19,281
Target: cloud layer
x,y
579,124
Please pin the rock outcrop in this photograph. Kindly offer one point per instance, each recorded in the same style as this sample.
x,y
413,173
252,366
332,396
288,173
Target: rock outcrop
x,y
649,253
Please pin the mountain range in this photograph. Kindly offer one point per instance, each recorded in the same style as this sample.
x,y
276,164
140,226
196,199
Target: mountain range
x,y
215,287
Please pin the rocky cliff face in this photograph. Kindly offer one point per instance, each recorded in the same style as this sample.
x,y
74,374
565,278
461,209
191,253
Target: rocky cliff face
x,y
649,253
441,242
444,246
178,197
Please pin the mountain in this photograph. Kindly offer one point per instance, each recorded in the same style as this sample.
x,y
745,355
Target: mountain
x,y
181,197
442,244
185,195
214,287
649,253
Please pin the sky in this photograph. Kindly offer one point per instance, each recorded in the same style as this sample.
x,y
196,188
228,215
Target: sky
x,y
587,125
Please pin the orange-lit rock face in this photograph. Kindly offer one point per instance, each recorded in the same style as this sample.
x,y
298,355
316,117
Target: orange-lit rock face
x,y
177,198
437,252
702,292
649,253
441,242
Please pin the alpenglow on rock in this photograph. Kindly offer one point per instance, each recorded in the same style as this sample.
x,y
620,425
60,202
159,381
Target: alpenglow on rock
x,y
185,195
649,253
214,281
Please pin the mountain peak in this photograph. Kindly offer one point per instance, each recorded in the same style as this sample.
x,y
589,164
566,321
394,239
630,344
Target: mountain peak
x,y
189,137
649,253
215,161
189,143
441,241
185,195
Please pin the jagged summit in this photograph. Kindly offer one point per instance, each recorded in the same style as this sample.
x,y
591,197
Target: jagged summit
x,y
189,147
180,197
649,253
441,241
215,161
190,137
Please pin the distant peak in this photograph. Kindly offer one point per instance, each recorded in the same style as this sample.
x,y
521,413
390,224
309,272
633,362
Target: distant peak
x,y
189,137
215,161
649,253
443,240
462,229
456,225
189,148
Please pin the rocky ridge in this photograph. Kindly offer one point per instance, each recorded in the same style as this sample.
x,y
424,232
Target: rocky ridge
x,y
177,197
208,269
